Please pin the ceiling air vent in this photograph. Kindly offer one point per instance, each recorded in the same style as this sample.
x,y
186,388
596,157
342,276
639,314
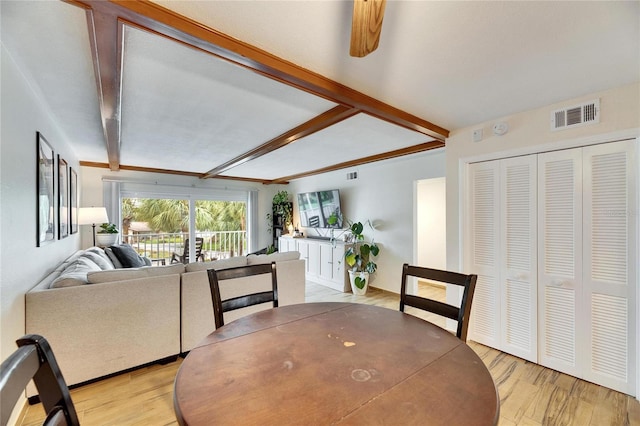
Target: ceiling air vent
x,y
579,115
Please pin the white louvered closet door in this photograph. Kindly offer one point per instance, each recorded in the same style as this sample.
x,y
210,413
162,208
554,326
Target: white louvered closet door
x,y
610,262
483,257
560,260
518,257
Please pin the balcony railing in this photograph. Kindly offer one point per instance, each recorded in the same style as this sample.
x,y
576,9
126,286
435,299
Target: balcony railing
x,y
216,244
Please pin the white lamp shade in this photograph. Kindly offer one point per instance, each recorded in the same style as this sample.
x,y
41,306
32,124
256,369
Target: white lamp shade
x,y
92,215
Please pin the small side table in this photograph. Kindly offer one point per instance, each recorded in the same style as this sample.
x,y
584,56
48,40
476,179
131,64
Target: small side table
x,y
159,262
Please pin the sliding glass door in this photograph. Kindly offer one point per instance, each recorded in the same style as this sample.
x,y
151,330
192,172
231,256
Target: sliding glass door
x,y
170,230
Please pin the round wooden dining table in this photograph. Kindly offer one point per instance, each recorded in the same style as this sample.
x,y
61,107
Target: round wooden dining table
x,y
334,363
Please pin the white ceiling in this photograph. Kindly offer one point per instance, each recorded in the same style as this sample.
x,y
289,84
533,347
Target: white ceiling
x,y
339,143
454,63
184,101
451,63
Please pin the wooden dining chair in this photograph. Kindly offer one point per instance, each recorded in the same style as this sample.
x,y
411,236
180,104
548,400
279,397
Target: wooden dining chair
x,y
184,257
461,314
220,306
34,360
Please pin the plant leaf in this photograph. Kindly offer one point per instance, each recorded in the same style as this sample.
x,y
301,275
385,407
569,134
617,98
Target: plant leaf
x,y
360,282
371,267
357,228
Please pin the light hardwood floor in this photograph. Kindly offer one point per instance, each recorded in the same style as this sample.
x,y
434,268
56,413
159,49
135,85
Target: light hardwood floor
x,y
529,394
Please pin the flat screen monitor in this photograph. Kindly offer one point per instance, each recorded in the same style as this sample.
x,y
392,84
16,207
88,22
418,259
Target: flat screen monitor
x,y
315,208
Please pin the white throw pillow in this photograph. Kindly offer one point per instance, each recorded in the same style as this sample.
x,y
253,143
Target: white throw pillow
x,y
75,273
103,263
113,258
134,273
100,252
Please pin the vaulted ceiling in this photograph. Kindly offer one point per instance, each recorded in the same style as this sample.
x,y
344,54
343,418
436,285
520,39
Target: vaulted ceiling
x,y
169,86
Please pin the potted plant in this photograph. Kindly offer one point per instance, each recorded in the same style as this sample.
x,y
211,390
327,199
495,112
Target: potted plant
x,y
359,259
107,235
283,208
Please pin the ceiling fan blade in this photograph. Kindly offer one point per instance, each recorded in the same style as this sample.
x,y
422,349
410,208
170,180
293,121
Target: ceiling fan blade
x,y
366,26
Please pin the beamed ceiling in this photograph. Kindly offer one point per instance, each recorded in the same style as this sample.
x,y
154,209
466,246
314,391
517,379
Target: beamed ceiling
x,y
140,85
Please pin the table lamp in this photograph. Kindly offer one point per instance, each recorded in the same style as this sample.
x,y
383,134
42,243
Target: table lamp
x,y
91,216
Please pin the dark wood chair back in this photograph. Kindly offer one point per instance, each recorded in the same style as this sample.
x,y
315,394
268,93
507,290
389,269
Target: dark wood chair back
x,y
220,306
34,359
460,314
314,221
184,257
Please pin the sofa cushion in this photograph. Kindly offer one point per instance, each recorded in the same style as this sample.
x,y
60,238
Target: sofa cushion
x,y
253,259
75,273
232,262
46,282
133,273
128,257
104,264
113,258
61,267
100,252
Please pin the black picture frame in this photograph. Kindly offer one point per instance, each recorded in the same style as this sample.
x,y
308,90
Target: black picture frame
x,y
63,198
73,200
45,192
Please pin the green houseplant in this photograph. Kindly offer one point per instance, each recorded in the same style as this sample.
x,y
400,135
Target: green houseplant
x,y
359,258
283,207
108,228
280,217
107,235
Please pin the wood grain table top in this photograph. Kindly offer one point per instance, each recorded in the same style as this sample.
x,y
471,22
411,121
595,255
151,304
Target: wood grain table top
x,y
334,363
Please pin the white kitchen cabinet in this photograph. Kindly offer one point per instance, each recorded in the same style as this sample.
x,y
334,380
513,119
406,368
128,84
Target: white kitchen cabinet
x,y
303,248
287,244
313,264
324,260
309,253
332,271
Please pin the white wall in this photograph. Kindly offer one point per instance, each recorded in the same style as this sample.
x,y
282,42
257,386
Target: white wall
x,y
22,264
92,193
431,223
384,194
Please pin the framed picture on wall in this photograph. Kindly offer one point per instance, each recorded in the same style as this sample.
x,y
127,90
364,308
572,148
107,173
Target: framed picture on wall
x,y
63,198
73,200
45,201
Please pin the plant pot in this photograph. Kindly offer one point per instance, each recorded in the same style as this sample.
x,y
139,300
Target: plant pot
x,y
353,276
106,240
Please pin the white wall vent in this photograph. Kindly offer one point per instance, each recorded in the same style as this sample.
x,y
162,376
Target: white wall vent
x,y
352,175
578,115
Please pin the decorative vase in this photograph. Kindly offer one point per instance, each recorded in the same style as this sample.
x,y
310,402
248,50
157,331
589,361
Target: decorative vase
x,y
357,279
106,240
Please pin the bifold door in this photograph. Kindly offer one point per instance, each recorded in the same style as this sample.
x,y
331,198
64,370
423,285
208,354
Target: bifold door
x,y
553,239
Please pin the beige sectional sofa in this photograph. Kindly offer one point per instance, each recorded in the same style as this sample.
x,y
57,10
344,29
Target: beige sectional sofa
x,y
106,321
